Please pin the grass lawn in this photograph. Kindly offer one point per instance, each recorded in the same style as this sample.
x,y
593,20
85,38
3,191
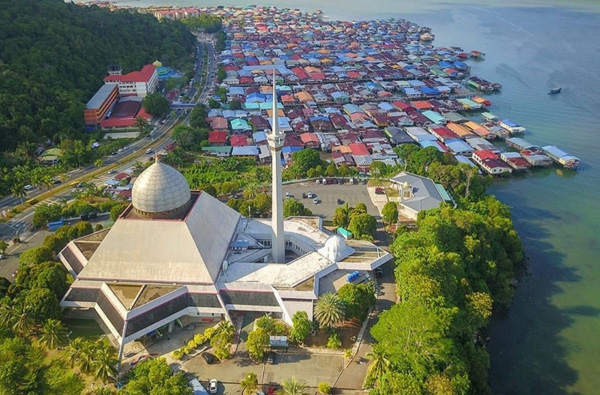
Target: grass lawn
x,y
88,329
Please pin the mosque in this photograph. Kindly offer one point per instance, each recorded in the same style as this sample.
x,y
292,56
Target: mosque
x,y
177,253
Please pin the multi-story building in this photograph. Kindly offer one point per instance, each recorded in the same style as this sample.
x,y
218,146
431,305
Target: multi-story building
x,y
99,105
137,83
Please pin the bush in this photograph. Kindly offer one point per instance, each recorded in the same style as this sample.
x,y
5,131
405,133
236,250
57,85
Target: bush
x,y
324,388
199,338
334,341
191,345
178,354
35,256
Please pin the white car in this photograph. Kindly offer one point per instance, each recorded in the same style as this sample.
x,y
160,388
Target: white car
x,y
212,386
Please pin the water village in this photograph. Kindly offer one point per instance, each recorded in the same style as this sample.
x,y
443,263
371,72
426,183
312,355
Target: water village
x,y
355,89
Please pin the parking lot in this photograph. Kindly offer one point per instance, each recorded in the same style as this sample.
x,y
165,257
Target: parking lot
x,y
328,196
312,368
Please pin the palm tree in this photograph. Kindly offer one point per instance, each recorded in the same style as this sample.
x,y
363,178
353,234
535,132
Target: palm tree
x,y
251,191
379,365
23,321
225,329
329,310
140,124
74,349
8,315
104,362
53,334
98,163
293,386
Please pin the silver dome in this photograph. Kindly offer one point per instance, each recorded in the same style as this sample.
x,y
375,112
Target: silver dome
x,y
160,188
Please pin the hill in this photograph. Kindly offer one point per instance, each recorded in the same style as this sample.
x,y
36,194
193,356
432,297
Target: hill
x,y
53,56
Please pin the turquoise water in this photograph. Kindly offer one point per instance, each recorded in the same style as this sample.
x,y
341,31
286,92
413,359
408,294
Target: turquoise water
x,y
548,341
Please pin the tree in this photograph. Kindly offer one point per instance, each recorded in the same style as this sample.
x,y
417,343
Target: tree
x,y
154,377
98,163
51,275
21,367
301,326
22,321
357,299
35,256
329,310
43,304
390,212
140,124
117,210
292,208
363,226
104,361
235,105
155,104
258,343
379,366
341,216
3,247
293,386
249,383
306,159
55,243
331,170
53,333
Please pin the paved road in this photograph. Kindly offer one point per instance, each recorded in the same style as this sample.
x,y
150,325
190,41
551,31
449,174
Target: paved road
x,y
20,223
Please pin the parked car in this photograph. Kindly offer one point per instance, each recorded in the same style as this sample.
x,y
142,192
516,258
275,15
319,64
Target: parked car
x,y
380,191
340,201
316,201
304,195
310,195
213,385
208,357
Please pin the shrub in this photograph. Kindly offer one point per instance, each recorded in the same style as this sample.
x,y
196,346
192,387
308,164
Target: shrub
x,y
192,344
334,341
178,354
324,388
199,338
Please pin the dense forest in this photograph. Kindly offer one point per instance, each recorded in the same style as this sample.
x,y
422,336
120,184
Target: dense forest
x,y
53,56
450,273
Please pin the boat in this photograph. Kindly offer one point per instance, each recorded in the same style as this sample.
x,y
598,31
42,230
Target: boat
x,y
554,91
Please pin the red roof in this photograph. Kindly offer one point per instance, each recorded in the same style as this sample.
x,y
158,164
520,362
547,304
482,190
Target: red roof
x,y
443,132
120,176
358,149
402,106
239,140
217,137
309,138
143,75
494,163
485,154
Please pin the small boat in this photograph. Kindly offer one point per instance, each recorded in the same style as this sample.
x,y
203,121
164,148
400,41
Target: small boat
x,y
554,91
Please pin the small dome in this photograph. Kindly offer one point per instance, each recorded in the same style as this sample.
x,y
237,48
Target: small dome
x,y
157,63
406,185
334,249
159,189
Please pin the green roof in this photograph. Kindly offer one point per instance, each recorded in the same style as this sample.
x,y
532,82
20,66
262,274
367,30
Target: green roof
x,y
219,149
443,193
346,233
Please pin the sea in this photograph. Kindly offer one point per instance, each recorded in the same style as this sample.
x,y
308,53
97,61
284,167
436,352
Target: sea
x,y
548,342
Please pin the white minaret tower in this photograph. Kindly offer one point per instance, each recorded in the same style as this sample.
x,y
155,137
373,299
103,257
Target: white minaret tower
x,y
275,139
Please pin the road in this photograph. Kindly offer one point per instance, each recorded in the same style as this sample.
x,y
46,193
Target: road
x,y
156,140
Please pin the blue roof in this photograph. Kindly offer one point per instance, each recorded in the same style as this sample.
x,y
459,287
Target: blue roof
x,y
429,91
510,123
290,149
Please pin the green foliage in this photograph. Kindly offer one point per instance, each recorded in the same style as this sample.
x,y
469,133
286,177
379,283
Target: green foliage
x,y
189,138
221,338
55,243
363,226
301,327
45,213
390,212
117,210
249,383
156,104
206,22
450,273
53,333
324,388
257,343
198,117
55,54
43,304
34,256
341,216
3,247
303,160
293,386
357,299
221,73
334,341
292,207
221,38
154,377
20,367
329,310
